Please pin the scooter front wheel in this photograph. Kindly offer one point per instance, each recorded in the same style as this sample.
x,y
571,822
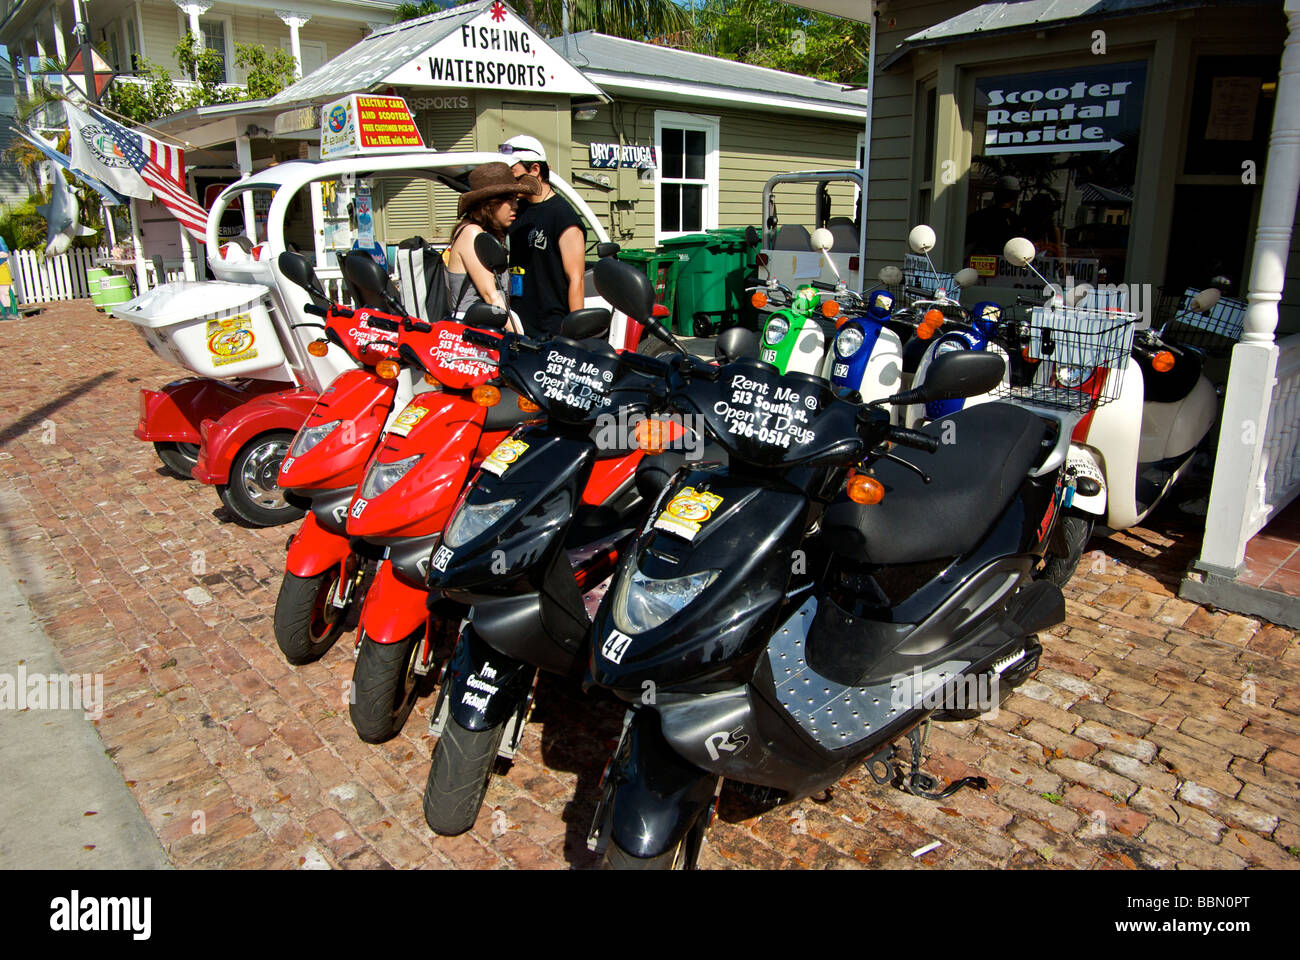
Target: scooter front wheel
x,y
1059,570
458,777
385,686
306,620
253,493
178,458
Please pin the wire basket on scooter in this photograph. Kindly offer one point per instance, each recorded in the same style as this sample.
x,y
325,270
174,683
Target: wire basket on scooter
x,y
1077,354
920,280
1213,332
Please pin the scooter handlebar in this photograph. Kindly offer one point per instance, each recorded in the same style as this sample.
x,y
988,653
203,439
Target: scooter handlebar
x,y
914,438
315,311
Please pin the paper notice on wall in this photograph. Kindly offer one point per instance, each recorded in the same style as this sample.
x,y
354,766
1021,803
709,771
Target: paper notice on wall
x,y
1233,101
806,266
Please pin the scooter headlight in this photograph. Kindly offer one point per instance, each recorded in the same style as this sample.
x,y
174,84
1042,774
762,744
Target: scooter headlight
x,y
641,603
775,331
848,340
1068,376
308,437
381,477
473,519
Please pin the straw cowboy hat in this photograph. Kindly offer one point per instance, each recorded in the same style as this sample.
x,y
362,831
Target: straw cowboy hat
x,y
494,180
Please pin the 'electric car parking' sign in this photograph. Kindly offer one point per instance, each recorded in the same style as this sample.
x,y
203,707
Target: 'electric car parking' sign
x,y
1061,111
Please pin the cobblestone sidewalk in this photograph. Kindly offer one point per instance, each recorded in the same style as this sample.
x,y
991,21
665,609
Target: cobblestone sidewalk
x,y
1156,733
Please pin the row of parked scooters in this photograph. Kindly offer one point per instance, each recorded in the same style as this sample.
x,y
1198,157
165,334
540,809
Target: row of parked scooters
x,y
736,549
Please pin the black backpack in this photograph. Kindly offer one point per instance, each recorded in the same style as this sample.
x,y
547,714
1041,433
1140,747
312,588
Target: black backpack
x,y
422,278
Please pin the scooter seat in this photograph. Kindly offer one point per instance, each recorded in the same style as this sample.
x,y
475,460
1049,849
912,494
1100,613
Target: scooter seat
x,y
974,476
506,414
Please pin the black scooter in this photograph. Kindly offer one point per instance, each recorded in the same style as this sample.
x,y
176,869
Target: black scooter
x,y
777,626
530,547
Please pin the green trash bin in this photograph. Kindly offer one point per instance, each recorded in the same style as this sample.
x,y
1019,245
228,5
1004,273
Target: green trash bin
x,y
711,277
114,289
661,267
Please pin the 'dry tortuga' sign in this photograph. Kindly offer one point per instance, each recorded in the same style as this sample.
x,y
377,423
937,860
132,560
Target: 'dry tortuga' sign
x,y
361,123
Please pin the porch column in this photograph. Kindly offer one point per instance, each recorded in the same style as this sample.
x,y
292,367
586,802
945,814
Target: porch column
x,y
294,21
60,42
194,9
244,158
1237,507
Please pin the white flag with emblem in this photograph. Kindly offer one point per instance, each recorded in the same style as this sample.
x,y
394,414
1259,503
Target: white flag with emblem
x,y
94,151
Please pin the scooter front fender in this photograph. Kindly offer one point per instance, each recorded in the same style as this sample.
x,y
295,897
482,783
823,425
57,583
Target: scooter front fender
x,y
314,549
655,796
221,440
392,611
484,687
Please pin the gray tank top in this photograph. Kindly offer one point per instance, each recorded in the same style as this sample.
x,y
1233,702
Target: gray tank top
x,y
461,292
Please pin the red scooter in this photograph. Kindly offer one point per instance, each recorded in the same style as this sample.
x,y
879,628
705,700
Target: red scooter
x,y
326,461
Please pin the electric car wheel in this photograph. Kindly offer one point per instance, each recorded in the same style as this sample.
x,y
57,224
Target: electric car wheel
x,y
178,458
253,493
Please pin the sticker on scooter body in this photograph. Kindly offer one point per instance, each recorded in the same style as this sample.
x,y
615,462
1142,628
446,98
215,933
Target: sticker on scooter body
x,y
687,512
615,646
406,420
506,453
358,507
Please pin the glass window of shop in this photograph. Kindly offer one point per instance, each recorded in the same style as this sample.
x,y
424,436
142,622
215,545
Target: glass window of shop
x,y
1055,160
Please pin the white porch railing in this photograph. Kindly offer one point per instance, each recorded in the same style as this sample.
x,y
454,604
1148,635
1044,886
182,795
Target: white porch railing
x,y
1279,468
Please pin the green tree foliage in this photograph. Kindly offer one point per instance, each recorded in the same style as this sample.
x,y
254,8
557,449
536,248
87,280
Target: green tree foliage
x,y
208,68
266,73
631,19
768,33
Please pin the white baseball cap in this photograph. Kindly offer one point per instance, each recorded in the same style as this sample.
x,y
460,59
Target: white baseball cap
x,y
523,149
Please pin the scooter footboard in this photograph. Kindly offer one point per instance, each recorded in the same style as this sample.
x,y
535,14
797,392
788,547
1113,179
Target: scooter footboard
x,y
484,688
655,796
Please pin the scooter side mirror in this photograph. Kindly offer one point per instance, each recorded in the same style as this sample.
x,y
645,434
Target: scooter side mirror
x,y
751,237
587,322
1019,252
486,316
607,249
966,277
822,239
626,288
370,279
922,239
489,251
961,373
1077,294
890,275
299,270
735,344
1206,300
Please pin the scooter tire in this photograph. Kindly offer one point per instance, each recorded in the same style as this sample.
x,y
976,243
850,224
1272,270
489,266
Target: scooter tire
x,y
1059,570
458,777
306,624
652,346
385,686
178,458
238,500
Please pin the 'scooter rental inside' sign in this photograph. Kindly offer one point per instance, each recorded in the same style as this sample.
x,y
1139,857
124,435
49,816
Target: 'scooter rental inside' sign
x,y
1061,111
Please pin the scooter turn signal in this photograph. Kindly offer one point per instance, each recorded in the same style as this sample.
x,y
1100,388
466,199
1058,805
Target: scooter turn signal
x,y
486,395
865,490
1162,362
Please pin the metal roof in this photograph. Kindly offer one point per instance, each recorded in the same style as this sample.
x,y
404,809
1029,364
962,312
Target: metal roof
x,y
1000,18
374,57
590,50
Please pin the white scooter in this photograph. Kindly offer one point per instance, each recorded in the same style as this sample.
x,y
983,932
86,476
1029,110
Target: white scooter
x,y
1125,454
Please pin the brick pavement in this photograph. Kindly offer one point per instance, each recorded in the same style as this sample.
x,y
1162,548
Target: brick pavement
x,y
1156,733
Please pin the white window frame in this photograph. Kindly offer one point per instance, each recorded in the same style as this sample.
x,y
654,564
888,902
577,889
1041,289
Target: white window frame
x,y
229,27
286,44
711,127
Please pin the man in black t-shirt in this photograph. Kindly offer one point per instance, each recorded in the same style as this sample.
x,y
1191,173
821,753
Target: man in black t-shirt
x,y
548,246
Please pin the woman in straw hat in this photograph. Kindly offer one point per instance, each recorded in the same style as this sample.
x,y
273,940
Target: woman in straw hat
x,y
490,205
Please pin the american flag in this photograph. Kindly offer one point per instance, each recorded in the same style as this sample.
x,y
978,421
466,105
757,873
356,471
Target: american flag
x,y
162,167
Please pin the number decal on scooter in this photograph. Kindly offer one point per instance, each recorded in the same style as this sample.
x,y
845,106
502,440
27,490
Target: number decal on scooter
x,y
441,557
615,646
358,507
687,511
506,453
840,370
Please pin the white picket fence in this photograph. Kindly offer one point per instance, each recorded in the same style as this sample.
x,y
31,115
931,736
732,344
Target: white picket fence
x,y
40,279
